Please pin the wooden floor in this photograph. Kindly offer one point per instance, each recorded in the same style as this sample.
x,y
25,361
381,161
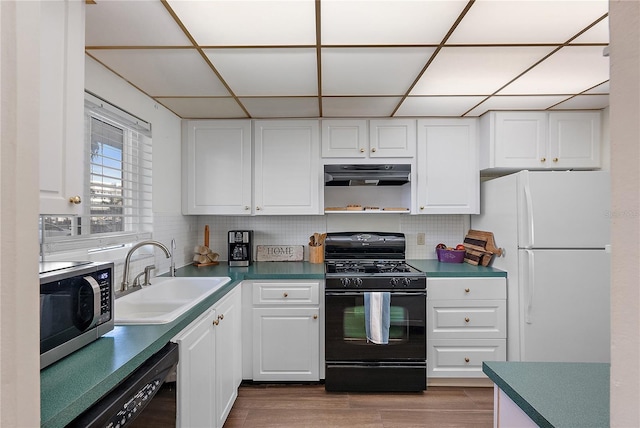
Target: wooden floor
x,y
306,406
300,406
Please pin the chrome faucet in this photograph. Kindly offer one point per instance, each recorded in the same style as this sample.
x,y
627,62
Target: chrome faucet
x,y
125,278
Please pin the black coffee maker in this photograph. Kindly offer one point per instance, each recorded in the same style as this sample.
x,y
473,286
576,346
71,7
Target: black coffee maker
x,y
240,247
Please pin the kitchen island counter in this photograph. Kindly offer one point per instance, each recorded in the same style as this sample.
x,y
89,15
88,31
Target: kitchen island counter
x,y
555,395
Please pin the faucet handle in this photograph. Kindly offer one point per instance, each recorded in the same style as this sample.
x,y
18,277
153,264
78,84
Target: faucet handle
x,y
147,274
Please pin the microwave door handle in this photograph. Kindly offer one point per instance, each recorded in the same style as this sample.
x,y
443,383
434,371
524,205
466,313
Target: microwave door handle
x,y
96,299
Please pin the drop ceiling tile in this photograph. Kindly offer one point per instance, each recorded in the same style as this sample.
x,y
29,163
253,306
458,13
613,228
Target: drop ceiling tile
x,y
476,71
599,33
387,22
600,89
571,70
359,106
530,21
584,102
163,72
371,71
437,106
270,107
246,23
534,102
131,23
204,108
267,72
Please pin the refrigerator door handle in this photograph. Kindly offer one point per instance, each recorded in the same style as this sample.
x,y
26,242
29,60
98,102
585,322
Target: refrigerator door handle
x,y
530,286
528,214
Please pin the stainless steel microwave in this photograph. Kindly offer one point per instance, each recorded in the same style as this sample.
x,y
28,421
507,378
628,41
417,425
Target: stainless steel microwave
x,y
76,306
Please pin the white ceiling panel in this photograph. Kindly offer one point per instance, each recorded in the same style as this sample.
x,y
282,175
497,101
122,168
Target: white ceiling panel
x,y
599,33
582,102
437,106
600,89
572,69
516,103
281,107
359,106
163,72
131,23
526,21
264,72
371,71
387,22
248,23
476,71
201,108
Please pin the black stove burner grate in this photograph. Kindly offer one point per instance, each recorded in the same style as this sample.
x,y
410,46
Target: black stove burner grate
x,y
368,267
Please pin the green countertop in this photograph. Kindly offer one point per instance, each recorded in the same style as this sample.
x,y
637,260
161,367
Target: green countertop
x,y
556,395
73,384
436,269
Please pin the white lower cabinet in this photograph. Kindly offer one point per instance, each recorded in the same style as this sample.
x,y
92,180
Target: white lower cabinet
x,y
467,324
209,369
286,330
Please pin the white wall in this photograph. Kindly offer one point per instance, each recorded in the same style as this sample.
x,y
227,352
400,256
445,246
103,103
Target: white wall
x,y
19,189
624,23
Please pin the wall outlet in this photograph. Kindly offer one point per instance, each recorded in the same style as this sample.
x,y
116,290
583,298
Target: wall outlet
x,y
421,238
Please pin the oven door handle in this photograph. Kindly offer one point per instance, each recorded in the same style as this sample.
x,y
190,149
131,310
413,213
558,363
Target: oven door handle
x,y
360,293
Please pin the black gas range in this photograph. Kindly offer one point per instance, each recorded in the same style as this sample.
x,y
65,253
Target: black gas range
x,y
375,305
369,260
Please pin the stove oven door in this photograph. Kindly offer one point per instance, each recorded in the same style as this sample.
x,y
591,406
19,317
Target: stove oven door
x,y
355,363
345,328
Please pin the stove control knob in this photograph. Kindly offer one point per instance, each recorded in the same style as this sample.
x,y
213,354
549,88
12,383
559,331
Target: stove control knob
x,y
395,282
406,282
345,282
357,282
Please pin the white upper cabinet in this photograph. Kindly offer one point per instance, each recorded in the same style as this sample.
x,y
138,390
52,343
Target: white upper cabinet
x,y
359,138
62,159
540,140
392,138
287,167
344,138
447,162
217,171
574,139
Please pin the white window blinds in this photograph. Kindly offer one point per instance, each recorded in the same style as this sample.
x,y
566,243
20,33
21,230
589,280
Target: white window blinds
x,y
118,184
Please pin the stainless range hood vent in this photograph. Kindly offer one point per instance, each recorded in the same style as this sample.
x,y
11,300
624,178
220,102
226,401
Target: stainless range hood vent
x,y
367,175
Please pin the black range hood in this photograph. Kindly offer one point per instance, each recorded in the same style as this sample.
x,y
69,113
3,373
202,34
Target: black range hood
x,y
367,175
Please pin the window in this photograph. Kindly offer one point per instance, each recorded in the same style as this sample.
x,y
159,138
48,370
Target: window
x,y
118,184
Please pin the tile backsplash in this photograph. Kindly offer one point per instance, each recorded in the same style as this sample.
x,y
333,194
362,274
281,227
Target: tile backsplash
x,y
295,230
188,231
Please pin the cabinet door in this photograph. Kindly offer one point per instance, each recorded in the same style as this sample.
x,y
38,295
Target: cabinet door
x,y
217,167
520,139
196,374
344,138
448,172
62,159
574,140
286,344
287,179
392,138
228,353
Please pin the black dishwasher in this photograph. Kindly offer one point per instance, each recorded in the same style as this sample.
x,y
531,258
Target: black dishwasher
x,y
125,402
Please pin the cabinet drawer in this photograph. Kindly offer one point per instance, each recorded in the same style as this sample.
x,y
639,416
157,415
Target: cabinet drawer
x,y
285,293
450,319
463,358
466,288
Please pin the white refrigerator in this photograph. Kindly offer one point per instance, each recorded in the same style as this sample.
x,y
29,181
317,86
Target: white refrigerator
x,y
554,227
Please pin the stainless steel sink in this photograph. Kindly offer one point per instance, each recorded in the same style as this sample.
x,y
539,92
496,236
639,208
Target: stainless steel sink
x,y
165,300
